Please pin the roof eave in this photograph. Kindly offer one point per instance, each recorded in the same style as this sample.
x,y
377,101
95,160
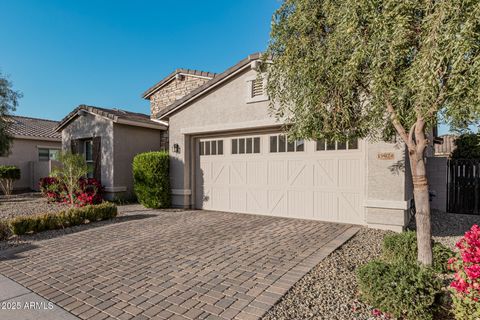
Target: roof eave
x,y
219,79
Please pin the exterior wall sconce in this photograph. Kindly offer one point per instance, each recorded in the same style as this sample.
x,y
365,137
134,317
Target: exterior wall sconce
x,y
176,148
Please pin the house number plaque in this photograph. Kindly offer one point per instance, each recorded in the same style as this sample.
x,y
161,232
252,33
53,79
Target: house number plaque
x,y
385,156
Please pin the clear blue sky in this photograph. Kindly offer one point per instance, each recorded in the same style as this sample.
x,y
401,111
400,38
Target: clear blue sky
x,y
60,54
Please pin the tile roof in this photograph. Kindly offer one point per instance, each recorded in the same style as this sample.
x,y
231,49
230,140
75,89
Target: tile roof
x,y
116,115
164,81
32,127
204,88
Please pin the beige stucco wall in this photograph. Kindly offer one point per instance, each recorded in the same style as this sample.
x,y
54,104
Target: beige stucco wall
x,y
24,153
128,142
226,109
388,199
89,126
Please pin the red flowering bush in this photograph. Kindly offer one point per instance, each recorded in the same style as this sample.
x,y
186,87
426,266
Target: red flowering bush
x,y
91,191
466,286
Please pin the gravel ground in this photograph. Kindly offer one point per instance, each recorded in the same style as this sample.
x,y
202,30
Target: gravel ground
x,y
27,204
448,228
329,291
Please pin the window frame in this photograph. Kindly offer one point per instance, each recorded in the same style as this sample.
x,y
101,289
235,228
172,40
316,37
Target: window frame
x,y
326,144
282,145
202,147
245,140
49,150
90,162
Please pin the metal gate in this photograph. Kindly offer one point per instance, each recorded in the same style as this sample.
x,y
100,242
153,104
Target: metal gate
x,y
464,186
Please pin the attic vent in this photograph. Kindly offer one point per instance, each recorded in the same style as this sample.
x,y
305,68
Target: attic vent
x,y
257,88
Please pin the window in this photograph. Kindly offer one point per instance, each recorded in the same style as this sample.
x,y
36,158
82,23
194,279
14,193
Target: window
x,y
323,145
246,145
89,157
46,154
280,143
211,148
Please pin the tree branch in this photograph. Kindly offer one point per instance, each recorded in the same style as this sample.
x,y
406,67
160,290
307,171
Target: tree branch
x,y
396,123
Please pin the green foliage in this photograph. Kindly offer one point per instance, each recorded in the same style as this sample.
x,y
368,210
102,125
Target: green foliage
x,y
4,230
468,146
403,290
7,176
465,308
73,168
402,247
8,102
9,172
338,64
151,179
71,217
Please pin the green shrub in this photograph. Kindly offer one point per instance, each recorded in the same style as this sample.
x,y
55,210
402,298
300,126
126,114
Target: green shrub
x,y
71,217
8,174
151,179
403,290
402,247
4,230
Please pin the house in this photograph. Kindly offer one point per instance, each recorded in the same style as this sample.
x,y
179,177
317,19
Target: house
x,y
109,139
34,149
229,154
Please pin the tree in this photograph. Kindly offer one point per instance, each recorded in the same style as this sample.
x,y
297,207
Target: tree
x,y
8,174
377,69
73,167
8,103
467,146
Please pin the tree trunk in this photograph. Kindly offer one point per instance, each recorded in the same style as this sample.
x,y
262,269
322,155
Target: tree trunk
x,y
422,206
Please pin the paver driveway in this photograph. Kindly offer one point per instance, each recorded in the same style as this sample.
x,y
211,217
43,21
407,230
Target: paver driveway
x,y
176,265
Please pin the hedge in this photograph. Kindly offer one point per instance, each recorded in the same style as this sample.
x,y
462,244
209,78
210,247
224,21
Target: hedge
x,y
402,247
7,175
400,289
151,179
58,220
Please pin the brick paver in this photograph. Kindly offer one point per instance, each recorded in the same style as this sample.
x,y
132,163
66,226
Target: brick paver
x,y
176,265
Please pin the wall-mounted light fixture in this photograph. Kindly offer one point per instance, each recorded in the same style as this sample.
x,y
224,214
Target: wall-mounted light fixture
x,y
176,148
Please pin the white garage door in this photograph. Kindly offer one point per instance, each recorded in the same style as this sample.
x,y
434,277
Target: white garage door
x,y
266,174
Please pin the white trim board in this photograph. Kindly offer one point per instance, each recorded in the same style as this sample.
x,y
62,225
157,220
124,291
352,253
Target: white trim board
x,y
387,204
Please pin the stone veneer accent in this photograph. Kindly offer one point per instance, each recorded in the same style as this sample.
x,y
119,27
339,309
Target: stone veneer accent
x,y
174,90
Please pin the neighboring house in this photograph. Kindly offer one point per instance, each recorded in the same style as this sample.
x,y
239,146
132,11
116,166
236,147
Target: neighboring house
x,y
229,154
35,148
109,139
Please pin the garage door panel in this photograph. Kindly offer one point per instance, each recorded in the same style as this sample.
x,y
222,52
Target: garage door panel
x,y
238,170
309,184
300,204
277,204
350,207
238,199
256,172
276,172
325,172
300,173
325,206
349,173
257,200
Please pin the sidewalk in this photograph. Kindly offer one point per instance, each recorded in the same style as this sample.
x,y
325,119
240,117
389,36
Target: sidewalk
x,y
19,303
